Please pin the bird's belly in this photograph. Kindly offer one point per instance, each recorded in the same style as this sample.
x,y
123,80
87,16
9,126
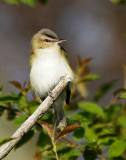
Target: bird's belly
x,y
45,74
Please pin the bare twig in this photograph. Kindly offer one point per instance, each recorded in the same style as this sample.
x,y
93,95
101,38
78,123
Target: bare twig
x,y
28,124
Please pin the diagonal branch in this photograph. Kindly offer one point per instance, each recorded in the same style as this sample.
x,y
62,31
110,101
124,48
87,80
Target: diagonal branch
x,y
29,123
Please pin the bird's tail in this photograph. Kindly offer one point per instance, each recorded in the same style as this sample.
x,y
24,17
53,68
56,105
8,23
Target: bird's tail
x,y
59,116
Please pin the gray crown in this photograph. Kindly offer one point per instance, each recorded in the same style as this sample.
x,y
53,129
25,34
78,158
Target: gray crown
x,y
48,33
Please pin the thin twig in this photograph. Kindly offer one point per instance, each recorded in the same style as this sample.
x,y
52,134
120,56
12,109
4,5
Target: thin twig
x,y
74,144
29,123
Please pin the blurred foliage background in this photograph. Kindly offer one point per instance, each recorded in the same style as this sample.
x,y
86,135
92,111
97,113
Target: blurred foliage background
x,y
95,29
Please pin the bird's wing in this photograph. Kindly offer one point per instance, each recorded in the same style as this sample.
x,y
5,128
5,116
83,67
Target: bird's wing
x,y
31,57
64,53
68,90
68,93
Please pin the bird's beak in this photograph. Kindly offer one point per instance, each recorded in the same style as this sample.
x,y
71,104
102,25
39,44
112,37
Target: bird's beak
x,y
61,41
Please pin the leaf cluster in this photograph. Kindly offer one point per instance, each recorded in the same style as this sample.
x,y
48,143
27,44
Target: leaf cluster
x,y
119,2
30,3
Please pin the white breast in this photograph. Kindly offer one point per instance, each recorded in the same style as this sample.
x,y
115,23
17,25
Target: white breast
x,y
47,69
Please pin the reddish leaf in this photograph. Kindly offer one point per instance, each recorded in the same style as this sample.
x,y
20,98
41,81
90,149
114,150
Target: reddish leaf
x,y
24,84
79,60
29,86
33,96
17,85
87,60
37,156
47,127
67,130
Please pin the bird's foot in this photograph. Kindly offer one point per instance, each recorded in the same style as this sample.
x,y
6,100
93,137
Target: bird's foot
x,y
62,124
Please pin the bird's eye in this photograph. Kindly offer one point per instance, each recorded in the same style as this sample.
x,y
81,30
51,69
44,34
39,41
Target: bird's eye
x,y
46,40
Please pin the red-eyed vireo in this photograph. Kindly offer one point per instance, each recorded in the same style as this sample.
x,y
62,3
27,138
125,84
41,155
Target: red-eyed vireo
x,y
49,64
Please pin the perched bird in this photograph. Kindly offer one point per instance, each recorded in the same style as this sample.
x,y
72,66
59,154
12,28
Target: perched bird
x,y
49,64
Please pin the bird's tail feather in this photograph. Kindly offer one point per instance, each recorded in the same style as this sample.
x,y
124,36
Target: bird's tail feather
x,y
59,116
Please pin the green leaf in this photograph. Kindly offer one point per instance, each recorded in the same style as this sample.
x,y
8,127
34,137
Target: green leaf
x,y
79,118
74,118
8,99
25,139
78,134
102,90
22,102
43,140
119,158
29,2
89,154
32,106
120,90
117,148
112,111
105,132
89,77
106,141
19,120
43,1
122,121
123,96
64,152
4,140
11,115
73,158
11,1
1,111
117,2
68,153
89,144
48,118
90,135
1,88
92,108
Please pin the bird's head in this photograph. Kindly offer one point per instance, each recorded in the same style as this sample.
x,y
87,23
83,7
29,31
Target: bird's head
x,y
45,38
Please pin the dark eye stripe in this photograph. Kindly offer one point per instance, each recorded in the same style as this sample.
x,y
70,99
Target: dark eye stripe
x,y
46,40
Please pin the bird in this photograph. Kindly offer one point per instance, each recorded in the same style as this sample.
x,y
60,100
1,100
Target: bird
x,y
48,64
